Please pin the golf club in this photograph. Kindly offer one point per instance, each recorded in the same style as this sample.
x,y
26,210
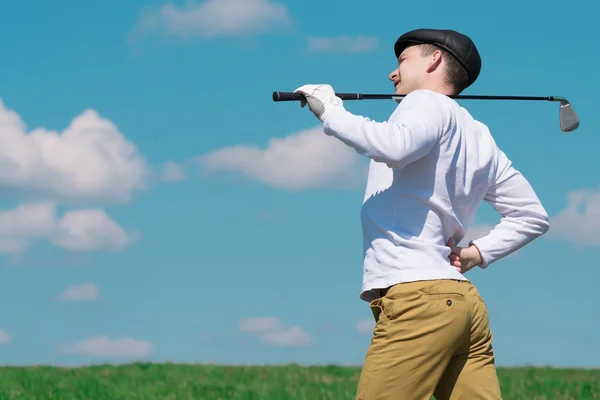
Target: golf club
x,y
567,117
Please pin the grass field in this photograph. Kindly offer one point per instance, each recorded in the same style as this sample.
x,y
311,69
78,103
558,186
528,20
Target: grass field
x,y
179,382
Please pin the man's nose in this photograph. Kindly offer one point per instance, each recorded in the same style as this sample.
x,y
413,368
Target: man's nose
x,y
393,75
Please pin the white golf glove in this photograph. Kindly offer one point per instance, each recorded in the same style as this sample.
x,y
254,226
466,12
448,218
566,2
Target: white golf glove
x,y
320,98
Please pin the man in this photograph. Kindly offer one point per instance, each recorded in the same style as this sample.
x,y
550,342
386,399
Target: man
x,y
432,164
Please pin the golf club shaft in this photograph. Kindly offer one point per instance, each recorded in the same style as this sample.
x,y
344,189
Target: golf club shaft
x,y
291,96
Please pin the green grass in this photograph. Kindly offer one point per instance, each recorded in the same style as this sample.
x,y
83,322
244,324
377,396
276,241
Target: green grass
x,y
182,382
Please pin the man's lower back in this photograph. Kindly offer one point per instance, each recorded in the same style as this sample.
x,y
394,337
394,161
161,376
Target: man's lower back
x,y
386,264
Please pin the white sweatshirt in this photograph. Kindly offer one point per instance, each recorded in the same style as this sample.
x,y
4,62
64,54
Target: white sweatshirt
x,y
432,164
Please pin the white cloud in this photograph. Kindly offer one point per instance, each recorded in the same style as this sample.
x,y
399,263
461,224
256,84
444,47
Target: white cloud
x,y
103,346
306,160
4,337
82,292
271,331
366,325
579,222
213,18
76,230
90,160
260,324
293,336
173,172
24,223
342,44
90,230
329,327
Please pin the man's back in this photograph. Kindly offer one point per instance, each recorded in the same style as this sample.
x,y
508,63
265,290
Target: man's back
x,y
411,210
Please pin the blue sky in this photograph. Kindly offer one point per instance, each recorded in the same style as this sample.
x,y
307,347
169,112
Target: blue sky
x,y
157,205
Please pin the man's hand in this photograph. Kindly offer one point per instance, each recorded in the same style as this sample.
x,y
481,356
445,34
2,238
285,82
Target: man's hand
x,y
463,258
320,98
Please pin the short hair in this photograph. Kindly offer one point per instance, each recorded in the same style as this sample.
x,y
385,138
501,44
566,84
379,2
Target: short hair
x,y
456,74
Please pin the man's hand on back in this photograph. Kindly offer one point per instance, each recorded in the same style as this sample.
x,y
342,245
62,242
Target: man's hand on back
x,y
463,258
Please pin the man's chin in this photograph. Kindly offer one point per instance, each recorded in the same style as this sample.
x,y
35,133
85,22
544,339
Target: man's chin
x,y
402,91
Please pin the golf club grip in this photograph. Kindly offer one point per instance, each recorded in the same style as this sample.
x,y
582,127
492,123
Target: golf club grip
x,y
291,96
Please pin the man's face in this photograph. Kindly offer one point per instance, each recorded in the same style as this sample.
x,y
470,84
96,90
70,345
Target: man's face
x,y
411,71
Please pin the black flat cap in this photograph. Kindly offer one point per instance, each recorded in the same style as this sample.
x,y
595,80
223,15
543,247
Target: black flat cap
x,y
455,43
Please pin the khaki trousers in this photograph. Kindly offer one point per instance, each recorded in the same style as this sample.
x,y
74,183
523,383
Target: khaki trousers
x,y
432,338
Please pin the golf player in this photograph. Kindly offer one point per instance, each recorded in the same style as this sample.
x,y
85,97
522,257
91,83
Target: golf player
x,y
431,166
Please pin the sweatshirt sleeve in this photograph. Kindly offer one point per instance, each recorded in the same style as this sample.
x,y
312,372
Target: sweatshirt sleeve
x,y
523,216
415,127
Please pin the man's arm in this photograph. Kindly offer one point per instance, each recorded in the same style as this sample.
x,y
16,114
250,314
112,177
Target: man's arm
x,y
418,124
523,216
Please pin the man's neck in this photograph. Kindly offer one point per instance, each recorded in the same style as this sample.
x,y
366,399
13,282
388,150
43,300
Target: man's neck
x,y
438,87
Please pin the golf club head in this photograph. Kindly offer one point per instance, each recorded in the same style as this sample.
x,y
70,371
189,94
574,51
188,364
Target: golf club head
x,y
567,116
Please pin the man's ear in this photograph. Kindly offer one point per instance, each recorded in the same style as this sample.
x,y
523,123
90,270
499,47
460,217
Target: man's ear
x,y
434,61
